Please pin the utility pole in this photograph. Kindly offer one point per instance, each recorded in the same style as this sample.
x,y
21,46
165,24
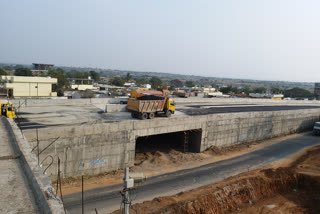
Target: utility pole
x,y
128,185
129,181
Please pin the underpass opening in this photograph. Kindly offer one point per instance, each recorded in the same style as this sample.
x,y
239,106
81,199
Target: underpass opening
x,y
183,141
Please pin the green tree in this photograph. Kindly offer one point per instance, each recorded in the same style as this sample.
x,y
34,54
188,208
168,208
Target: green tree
x,y
77,74
141,81
298,93
277,91
226,90
247,90
190,83
177,83
95,76
2,72
155,82
117,81
128,77
235,90
22,71
63,82
171,88
260,90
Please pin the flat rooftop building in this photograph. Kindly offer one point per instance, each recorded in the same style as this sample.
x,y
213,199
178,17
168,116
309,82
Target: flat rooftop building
x,y
26,86
41,69
81,84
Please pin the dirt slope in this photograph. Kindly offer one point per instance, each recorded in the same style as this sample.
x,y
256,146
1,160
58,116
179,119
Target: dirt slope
x,y
287,189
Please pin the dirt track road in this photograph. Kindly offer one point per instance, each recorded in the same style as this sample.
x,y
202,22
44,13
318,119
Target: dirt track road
x,y
107,199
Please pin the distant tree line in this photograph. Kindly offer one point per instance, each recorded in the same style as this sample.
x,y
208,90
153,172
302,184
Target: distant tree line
x,y
246,90
3,72
296,92
83,75
155,82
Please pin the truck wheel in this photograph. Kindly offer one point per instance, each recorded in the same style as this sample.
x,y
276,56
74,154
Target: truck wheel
x,y
168,113
151,115
144,116
133,115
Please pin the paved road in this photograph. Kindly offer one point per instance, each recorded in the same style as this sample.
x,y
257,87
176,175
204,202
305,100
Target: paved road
x,y
107,199
206,109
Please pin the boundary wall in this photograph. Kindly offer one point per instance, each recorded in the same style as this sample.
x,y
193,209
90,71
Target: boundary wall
x,y
90,149
41,187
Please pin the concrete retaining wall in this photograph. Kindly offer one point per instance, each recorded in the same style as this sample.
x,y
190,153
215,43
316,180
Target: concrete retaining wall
x,y
43,192
108,146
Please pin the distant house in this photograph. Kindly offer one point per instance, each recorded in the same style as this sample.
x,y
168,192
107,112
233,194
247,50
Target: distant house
x,y
82,84
129,84
147,86
26,86
270,96
41,69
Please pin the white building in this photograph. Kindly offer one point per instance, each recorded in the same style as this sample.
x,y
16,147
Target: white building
x,y
147,86
27,86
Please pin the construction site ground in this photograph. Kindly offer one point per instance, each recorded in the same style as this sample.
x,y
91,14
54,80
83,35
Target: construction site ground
x,y
291,185
167,160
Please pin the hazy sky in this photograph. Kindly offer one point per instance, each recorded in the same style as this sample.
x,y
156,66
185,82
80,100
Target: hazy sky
x,y
256,39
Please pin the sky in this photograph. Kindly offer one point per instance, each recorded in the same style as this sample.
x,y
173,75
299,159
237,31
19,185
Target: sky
x,y
246,39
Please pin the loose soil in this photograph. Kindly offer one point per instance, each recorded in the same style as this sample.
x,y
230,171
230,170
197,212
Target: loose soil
x,y
156,163
291,186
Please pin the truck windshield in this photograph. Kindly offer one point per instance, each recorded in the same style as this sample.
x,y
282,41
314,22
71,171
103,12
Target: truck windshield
x,y
317,125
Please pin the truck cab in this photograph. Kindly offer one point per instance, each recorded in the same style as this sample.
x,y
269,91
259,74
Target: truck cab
x,y
316,128
170,105
7,110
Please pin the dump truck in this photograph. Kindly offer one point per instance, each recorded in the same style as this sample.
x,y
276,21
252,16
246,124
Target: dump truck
x,y
148,106
7,110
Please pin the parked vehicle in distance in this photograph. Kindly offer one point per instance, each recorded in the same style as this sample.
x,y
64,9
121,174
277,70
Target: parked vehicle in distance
x,y
7,110
316,128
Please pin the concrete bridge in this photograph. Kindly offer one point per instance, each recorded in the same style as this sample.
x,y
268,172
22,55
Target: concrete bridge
x,y
89,141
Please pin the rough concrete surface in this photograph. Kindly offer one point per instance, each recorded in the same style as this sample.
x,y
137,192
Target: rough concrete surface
x,y
89,141
15,194
42,191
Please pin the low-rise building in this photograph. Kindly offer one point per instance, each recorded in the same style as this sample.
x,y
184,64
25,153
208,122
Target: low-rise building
x,y
147,86
82,84
272,96
129,84
27,86
40,69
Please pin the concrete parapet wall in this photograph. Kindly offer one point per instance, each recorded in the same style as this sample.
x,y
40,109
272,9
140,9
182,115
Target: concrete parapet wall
x,y
100,147
23,102
44,193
